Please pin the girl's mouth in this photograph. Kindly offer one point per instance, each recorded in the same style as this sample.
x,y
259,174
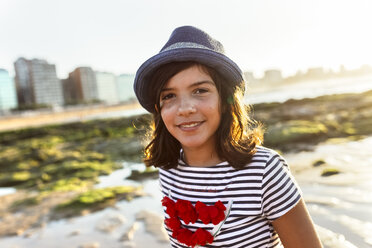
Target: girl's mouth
x,y
189,125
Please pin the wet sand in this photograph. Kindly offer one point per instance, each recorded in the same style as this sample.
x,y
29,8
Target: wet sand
x,y
340,206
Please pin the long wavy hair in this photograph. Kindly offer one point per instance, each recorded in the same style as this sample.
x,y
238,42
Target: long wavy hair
x,y
237,135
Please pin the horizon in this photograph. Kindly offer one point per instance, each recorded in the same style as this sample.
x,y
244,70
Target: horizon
x,y
300,73
118,36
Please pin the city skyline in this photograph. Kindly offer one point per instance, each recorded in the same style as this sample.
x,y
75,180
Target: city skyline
x,y
118,36
37,84
320,71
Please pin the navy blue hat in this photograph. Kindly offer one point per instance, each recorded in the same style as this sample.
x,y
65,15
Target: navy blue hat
x,y
186,43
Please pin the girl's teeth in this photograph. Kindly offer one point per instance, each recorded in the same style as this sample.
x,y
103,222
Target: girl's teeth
x,y
190,125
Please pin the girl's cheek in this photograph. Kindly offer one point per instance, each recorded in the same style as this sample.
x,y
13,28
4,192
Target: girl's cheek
x,y
166,107
171,105
166,113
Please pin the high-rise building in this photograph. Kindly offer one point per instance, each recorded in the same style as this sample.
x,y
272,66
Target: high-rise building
x,y
8,95
81,85
23,82
107,90
273,76
70,95
125,87
316,72
37,82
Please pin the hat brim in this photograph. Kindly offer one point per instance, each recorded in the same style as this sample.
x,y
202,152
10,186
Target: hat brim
x,y
221,63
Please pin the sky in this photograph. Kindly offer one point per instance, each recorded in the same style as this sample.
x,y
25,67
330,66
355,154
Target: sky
x,y
119,35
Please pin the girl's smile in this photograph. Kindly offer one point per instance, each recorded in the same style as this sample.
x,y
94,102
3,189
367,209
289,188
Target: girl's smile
x,y
189,126
190,109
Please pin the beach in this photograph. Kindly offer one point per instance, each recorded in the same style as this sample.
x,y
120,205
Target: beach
x,y
326,143
339,206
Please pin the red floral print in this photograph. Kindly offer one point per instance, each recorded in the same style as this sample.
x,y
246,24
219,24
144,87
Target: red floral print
x,y
186,211
208,214
170,205
183,235
173,223
201,237
182,209
221,213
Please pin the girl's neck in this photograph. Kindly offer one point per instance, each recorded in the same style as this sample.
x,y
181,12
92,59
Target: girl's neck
x,y
201,157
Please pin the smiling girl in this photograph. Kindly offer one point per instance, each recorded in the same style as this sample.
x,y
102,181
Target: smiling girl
x,y
221,187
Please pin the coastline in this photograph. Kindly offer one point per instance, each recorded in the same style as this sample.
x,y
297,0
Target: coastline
x,y
42,118
340,209
323,135
256,94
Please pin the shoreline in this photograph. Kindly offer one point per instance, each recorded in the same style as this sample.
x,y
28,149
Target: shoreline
x,y
38,119
322,134
256,94
336,208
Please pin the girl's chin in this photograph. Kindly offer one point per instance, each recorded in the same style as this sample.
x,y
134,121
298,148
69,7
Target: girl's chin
x,y
193,145
190,145
199,141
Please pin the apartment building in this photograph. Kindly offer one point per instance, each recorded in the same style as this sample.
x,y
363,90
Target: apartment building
x,y
107,90
81,85
37,82
8,94
125,87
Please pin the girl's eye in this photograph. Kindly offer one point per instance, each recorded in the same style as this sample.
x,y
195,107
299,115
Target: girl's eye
x,y
167,96
201,91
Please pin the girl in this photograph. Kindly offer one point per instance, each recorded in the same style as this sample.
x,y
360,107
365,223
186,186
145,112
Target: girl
x,y
221,187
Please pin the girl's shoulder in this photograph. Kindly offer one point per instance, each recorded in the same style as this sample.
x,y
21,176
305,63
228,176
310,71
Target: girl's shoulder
x,y
266,158
262,151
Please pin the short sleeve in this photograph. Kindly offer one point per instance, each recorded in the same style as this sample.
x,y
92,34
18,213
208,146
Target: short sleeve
x,y
280,192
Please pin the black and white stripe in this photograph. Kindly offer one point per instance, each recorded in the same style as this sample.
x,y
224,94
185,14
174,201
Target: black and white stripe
x,y
261,192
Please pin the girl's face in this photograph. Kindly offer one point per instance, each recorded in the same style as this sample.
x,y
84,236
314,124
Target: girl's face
x,y
190,109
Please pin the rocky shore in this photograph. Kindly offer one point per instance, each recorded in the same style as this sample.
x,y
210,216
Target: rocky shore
x,y
55,168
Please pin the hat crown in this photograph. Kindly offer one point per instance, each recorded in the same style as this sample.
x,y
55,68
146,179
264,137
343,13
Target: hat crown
x,y
192,37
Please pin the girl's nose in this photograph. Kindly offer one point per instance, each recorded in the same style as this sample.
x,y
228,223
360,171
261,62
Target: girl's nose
x,y
186,107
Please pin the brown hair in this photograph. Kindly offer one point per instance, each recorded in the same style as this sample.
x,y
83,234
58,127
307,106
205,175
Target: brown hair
x,y
237,135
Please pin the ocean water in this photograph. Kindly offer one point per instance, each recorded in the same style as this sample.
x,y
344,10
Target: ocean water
x,y
307,89
342,203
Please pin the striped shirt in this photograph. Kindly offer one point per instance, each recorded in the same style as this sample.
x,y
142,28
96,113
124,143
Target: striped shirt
x,y
261,192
